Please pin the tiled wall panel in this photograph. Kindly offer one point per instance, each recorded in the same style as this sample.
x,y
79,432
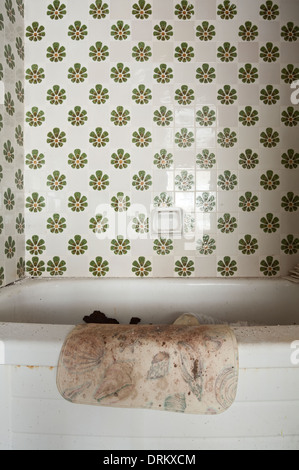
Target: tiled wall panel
x,y
134,105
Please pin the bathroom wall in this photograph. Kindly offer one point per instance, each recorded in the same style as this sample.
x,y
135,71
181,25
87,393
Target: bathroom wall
x,y
12,211
132,105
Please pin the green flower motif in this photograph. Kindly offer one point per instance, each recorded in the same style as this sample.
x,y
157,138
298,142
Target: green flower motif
x,y
99,138
77,246
35,117
270,138
78,116
9,56
248,74
290,202
9,104
290,32
120,246
77,203
57,10
10,11
206,117
184,53
120,31
20,48
227,138
8,152
184,96
163,31
269,53
20,91
227,10
248,203
56,267
1,22
162,246
99,95
184,267
120,160
120,73
269,224
227,181
184,138
56,138
35,32
249,160
205,31
163,160
77,74
227,224
142,95
56,53
270,181
56,95
142,53
206,202
290,160
35,203
189,224
270,267
19,135
248,32
99,10
184,10
77,159
290,117
120,116
9,200
142,138
205,74
269,11
35,160
206,246
248,117
163,117
141,224
227,95
206,160
164,200
163,74
99,224
142,267
142,10
290,74
21,268
10,248
270,95
290,245
77,31
99,52
35,245
227,53
99,267
248,245
120,202
20,5
56,224
56,182
1,72
1,276
99,181
142,181
19,180
35,267
227,267
184,181
20,224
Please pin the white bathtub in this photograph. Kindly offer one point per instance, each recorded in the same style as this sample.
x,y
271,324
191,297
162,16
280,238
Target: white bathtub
x,y
37,315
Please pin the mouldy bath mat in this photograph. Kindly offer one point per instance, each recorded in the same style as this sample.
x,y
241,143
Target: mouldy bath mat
x,y
188,369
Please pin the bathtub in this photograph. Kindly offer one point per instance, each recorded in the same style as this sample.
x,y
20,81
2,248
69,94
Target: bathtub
x,y
36,316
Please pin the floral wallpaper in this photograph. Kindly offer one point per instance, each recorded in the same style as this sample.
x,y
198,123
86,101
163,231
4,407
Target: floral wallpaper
x,y
133,105
12,210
